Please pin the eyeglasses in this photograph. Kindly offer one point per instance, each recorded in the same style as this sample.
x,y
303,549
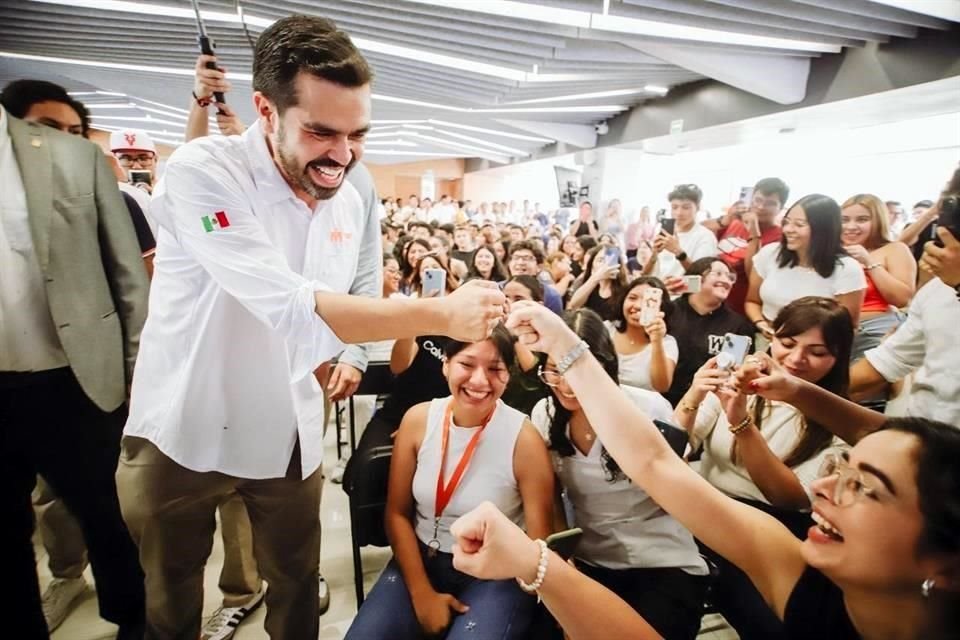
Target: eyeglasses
x,y
549,377
522,258
144,159
731,276
849,486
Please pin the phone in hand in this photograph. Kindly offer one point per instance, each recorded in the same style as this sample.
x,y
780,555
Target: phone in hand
x,y
434,283
668,225
139,176
676,437
692,284
612,256
949,217
733,352
650,305
564,543
746,196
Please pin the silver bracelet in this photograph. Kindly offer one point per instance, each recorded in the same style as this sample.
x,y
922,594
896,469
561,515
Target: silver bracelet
x,y
534,586
572,356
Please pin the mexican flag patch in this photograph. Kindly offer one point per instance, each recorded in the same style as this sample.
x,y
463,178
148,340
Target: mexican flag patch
x,y
219,220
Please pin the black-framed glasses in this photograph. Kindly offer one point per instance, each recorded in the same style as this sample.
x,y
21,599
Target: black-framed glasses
x,y
127,159
849,486
730,276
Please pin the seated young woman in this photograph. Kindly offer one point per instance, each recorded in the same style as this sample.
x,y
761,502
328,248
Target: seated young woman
x,y
648,355
525,388
630,545
600,285
881,562
764,453
451,455
485,265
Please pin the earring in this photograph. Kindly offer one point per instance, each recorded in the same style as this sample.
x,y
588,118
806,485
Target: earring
x,y
927,587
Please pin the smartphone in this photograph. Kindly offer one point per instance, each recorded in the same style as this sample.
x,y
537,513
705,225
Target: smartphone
x,y
734,351
564,543
949,217
140,176
668,225
650,305
434,283
746,196
612,256
676,437
693,284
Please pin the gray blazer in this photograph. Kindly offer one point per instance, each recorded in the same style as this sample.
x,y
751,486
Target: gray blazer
x,y
87,248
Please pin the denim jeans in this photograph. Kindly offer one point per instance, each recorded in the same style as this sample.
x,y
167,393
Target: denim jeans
x,y
499,610
873,331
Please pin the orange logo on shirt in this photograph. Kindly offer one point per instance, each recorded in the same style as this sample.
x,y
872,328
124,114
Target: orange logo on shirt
x,y
339,237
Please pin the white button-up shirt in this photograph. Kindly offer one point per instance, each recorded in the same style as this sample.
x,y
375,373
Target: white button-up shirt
x,y
28,337
926,344
224,380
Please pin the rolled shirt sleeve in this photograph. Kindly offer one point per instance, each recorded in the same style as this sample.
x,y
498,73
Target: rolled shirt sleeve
x,y
205,209
905,350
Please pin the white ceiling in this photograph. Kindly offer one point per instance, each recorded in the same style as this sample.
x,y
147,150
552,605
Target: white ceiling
x,y
495,79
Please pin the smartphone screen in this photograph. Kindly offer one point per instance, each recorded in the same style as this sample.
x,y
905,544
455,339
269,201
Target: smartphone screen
x,y
746,195
612,256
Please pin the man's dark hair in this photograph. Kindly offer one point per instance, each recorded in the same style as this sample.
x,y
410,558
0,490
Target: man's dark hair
x,y
419,223
926,204
18,96
689,192
528,246
305,44
773,187
448,228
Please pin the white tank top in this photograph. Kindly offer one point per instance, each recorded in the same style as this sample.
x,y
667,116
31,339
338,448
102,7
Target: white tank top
x,y
488,477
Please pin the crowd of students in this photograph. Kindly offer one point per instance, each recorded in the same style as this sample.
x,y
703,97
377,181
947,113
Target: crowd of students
x,y
588,384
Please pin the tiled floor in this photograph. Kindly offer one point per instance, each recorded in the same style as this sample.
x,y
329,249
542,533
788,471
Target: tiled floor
x,y
336,564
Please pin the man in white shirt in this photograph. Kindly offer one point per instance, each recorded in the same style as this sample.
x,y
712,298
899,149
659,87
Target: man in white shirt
x,y
674,253
224,398
444,212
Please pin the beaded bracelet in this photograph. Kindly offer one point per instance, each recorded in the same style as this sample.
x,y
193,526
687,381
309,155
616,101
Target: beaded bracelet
x,y
534,586
742,425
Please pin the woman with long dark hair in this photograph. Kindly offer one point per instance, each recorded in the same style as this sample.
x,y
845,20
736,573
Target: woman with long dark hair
x,y
768,454
602,282
630,545
809,260
485,265
409,256
881,561
648,355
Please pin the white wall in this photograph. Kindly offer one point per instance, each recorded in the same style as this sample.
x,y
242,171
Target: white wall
x,y
906,161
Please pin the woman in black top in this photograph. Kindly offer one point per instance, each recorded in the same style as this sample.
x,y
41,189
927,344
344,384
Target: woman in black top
x,y
602,283
883,560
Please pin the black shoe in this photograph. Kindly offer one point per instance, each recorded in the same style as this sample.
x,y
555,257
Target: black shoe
x,y
134,631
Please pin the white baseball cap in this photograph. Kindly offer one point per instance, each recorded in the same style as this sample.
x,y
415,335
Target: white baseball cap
x,y
131,140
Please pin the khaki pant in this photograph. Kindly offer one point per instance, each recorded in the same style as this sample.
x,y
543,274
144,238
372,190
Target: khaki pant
x,y
60,533
170,513
67,552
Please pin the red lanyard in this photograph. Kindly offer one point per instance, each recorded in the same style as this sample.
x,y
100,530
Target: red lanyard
x,y
444,493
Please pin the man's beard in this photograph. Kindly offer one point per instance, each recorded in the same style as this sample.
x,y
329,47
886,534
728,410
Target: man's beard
x,y
300,176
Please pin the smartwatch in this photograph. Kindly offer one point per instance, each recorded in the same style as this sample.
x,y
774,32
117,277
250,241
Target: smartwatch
x,y
682,256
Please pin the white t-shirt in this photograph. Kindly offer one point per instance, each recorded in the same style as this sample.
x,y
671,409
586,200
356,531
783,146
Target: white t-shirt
x,y
783,285
781,427
635,367
623,528
697,243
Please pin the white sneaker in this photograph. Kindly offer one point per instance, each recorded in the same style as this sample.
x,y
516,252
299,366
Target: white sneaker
x,y
225,620
336,476
324,596
59,598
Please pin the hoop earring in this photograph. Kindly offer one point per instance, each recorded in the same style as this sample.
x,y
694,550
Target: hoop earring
x,y
927,587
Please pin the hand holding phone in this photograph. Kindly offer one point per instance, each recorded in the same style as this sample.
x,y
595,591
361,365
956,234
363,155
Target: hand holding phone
x,y
612,256
668,226
746,196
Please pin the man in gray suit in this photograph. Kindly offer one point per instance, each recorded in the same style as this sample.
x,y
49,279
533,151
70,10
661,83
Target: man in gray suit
x,y
72,303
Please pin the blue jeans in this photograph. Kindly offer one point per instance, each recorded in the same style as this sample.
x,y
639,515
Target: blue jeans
x,y
499,610
873,331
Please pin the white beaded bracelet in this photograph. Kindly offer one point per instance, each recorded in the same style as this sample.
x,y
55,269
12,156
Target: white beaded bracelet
x,y
534,586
